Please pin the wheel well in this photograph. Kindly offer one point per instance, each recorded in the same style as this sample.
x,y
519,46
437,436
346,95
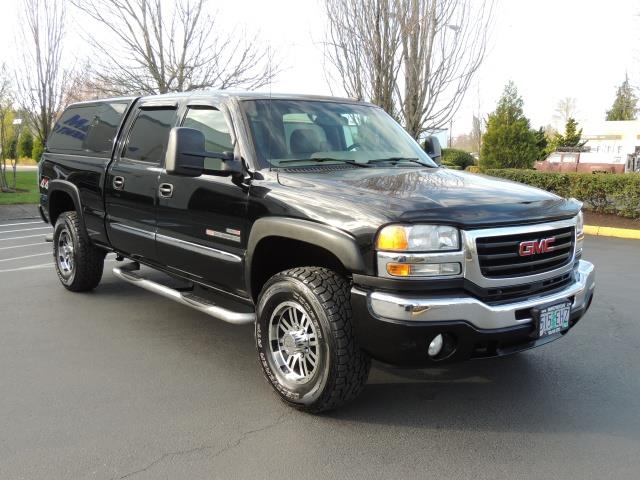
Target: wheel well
x,y
59,202
275,254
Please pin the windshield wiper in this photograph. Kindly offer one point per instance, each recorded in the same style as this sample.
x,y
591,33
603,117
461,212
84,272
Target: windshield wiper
x,y
400,159
323,159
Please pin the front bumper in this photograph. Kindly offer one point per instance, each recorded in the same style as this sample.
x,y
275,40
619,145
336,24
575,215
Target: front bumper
x,y
397,328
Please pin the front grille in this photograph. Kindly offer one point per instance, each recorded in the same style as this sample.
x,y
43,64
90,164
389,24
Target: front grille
x,y
516,293
499,256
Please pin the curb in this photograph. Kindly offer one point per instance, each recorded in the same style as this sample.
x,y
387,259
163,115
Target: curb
x,y
612,232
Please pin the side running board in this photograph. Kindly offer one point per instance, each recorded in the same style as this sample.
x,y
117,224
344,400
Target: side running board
x,y
130,273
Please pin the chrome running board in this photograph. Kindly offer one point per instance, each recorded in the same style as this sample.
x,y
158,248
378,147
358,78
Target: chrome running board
x,y
130,273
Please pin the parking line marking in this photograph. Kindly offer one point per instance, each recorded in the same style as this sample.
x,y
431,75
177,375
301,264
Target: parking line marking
x,y
26,245
42,265
23,223
20,238
32,267
24,230
25,256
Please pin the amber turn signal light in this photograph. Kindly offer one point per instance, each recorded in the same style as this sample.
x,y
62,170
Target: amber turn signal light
x,y
394,238
399,269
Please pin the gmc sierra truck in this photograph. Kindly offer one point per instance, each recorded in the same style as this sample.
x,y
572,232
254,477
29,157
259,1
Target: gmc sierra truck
x,y
319,220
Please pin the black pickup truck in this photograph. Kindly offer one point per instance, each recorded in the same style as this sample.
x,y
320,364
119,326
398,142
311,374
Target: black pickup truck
x,y
321,221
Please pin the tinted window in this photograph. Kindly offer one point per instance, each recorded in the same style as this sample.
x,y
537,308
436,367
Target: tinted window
x,y
212,124
291,131
87,128
149,135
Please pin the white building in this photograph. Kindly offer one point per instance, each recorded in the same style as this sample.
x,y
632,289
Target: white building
x,y
619,139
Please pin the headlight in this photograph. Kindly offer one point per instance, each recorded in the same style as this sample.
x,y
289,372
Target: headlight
x,y
418,238
580,224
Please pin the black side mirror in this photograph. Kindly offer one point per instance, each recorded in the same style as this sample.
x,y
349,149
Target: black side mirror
x,y
186,153
433,149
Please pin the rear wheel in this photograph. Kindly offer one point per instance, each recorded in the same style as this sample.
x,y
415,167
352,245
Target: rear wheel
x,y
305,339
78,263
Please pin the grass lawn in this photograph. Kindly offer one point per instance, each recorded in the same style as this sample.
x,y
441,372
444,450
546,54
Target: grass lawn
x,y
24,180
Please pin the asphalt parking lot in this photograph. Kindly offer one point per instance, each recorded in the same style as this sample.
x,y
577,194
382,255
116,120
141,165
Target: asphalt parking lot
x,y
119,383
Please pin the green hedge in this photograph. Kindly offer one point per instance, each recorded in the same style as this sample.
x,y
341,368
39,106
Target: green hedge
x,y
618,194
453,157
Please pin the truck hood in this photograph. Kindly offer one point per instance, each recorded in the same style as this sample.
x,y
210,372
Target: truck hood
x,y
411,194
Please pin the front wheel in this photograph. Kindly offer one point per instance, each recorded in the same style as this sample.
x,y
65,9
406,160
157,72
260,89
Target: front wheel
x,y
305,339
78,263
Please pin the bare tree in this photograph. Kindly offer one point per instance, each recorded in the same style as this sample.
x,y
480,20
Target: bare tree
x,y
477,130
160,47
81,85
565,109
41,77
433,50
365,46
6,128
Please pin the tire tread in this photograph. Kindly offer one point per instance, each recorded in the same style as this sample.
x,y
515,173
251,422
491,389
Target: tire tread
x,y
89,260
352,366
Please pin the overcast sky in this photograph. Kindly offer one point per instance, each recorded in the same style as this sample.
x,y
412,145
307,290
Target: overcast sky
x,y
550,48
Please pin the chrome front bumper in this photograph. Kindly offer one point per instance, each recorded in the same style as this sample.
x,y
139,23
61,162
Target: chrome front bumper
x,y
392,307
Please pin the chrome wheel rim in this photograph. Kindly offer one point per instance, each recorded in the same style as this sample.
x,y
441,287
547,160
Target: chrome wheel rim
x,y
64,254
294,346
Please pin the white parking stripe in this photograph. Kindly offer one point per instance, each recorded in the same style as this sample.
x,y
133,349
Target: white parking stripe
x,y
26,245
43,265
25,256
24,230
23,223
20,238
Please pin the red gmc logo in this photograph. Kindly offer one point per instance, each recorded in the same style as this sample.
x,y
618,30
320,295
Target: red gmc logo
x,y
535,247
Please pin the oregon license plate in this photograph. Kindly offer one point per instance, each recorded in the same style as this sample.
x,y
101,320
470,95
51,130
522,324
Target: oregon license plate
x,y
552,319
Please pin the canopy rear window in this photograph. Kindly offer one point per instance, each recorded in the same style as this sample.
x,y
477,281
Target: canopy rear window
x,y
88,128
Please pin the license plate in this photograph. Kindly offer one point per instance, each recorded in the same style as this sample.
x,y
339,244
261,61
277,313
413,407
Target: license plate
x,y
552,319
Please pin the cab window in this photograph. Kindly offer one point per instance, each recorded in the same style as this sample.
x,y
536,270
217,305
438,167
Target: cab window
x,y
149,135
212,124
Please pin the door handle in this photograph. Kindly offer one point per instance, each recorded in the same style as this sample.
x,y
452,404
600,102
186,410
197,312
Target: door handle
x,y
118,183
166,190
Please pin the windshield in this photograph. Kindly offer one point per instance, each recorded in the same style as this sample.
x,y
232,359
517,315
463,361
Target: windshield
x,y
305,132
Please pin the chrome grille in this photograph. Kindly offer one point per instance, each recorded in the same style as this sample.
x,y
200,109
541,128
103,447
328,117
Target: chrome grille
x,y
499,256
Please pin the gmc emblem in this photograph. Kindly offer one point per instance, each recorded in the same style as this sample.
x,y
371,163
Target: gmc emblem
x,y
535,247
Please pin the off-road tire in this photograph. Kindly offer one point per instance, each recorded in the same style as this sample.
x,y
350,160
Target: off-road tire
x,y
324,295
88,260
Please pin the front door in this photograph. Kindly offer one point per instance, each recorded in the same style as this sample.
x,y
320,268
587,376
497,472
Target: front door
x,y
132,182
202,220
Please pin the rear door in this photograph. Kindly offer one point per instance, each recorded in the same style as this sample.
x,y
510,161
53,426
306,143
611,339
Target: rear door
x,y
202,221
132,180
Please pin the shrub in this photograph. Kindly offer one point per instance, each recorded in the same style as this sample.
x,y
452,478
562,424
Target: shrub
x,y
37,150
25,144
453,157
602,192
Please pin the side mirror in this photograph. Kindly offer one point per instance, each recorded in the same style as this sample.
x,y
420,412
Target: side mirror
x,y
433,149
186,153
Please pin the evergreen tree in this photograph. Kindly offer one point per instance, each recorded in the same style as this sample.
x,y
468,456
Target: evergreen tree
x,y
571,137
542,142
625,106
25,144
509,141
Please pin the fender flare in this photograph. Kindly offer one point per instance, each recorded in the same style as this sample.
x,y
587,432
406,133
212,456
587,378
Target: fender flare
x,y
339,243
70,189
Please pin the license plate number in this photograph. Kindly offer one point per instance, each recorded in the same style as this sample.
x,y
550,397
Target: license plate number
x,y
553,318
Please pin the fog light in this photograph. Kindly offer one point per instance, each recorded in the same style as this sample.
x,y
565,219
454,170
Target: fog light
x,y
435,347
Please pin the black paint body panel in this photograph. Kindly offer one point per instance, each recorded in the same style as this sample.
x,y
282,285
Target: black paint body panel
x,y
340,209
